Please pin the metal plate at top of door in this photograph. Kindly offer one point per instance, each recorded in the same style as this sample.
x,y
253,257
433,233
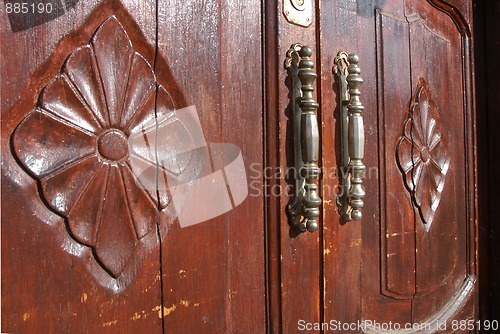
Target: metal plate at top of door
x,y
298,12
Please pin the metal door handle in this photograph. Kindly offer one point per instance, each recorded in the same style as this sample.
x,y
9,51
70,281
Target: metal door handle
x,y
303,211
350,199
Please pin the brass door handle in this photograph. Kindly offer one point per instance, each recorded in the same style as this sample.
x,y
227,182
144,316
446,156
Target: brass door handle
x,y
303,210
350,199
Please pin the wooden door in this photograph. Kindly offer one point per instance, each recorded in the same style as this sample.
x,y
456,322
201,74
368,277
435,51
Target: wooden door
x,y
412,258
410,264
111,111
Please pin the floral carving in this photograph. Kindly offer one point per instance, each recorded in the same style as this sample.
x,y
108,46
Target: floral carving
x,y
76,143
422,155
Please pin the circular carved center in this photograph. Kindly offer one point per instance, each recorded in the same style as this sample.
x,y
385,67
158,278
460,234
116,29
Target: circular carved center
x,y
113,145
425,154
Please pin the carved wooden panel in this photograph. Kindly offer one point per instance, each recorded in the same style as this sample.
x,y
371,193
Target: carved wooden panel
x,y
81,144
396,219
438,55
423,217
422,155
91,242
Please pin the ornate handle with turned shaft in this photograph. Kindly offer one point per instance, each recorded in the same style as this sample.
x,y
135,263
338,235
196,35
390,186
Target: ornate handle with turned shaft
x,y
350,200
303,211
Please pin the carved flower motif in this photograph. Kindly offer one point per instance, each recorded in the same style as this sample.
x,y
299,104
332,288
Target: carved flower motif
x,y
422,155
76,144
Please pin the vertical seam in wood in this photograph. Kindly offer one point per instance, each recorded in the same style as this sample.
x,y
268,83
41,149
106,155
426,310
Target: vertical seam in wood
x,y
412,302
319,93
158,231
222,68
271,155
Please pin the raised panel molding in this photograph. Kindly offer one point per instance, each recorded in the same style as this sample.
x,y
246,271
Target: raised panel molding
x,y
414,157
75,143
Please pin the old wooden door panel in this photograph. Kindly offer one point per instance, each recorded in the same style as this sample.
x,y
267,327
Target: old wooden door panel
x,y
342,243
418,221
50,282
73,266
413,252
438,253
213,273
294,259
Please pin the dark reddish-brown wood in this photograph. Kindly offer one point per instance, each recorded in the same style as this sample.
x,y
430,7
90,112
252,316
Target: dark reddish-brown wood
x,y
214,273
51,283
299,255
91,238
90,244
414,252
342,243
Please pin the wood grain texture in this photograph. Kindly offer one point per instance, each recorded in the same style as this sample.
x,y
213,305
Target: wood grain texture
x,y
299,256
391,253
76,144
213,272
341,30
75,91
397,219
48,286
273,208
444,255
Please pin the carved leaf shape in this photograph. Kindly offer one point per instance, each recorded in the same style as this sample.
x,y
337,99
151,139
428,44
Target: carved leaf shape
x,y
85,216
63,188
78,143
44,142
81,69
422,156
114,53
116,237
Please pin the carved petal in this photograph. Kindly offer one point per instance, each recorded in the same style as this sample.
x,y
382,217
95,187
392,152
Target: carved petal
x,y
44,144
408,154
81,69
140,88
173,137
416,174
433,135
439,155
116,237
63,188
426,194
59,99
144,120
143,135
142,208
145,175
86,214
421,184
113,51
420,118
165,104
164,138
